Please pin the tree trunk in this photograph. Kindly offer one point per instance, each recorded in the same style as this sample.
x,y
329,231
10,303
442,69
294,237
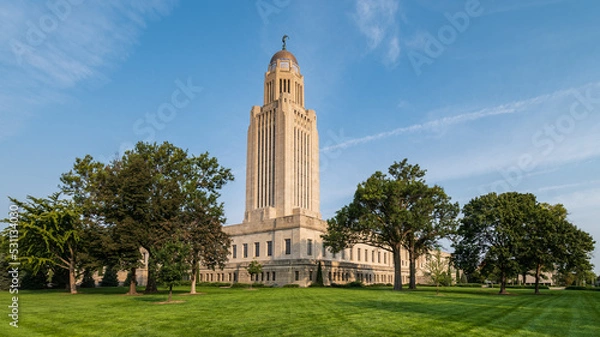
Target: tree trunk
x,y
503,284
397,268
151,286
538,271
72,279
413,270
170,292
132,290
194,276
524,277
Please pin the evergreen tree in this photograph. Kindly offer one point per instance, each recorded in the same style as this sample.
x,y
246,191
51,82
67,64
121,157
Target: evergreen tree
x,y
88,279
319,281
110,279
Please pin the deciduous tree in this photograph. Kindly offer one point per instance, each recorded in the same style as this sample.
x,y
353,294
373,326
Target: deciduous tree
x,y
50,232
394,211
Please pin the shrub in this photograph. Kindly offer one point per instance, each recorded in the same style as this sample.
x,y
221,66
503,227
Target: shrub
x,y
240,285
469,285
355,284
291,285
582,288
528,286
258,285
377,285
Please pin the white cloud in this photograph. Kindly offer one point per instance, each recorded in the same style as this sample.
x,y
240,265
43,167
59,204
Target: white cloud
x,y
376,20
49,47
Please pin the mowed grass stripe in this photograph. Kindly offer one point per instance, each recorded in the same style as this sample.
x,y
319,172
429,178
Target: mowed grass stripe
x,y
308,312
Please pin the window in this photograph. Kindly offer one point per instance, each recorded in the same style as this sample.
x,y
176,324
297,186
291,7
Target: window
x,y
385,257
373,256
310,275
309,247
324,250
269,248
257,249
297,276
268,276
351,251
273,276
378,257
245,250
288,246
235,251
366,255
343,254
358,253
235,278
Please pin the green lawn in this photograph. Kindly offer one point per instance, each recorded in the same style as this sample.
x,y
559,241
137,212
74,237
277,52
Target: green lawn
x,y
306,312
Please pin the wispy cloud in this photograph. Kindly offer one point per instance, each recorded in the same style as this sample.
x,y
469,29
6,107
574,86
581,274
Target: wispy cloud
x,y
49,47
437,124
376,20
568,186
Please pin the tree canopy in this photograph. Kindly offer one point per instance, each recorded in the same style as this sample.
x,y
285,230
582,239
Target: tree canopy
x,y
504,234
144,197
394,211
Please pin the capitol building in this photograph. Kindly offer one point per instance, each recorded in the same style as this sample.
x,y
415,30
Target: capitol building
x,y
282,224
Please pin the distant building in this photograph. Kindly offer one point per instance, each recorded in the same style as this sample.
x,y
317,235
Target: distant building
x,y
282,225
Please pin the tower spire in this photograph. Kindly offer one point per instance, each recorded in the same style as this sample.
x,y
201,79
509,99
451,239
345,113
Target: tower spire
x,y
285,37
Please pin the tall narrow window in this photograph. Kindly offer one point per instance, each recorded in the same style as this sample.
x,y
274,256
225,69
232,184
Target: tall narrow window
x,y
297,275
257,249
234,247
269,248
309,247
245,250
358,253
288,246
366,255
378,257
351,253
273,276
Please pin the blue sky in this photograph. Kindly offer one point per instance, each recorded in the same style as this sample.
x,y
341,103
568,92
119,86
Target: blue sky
x,y
486,95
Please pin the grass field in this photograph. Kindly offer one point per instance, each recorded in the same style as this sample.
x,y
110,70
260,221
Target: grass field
x,y
306,312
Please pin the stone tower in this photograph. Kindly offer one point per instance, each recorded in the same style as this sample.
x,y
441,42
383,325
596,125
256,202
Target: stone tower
x,y
282,228
282,173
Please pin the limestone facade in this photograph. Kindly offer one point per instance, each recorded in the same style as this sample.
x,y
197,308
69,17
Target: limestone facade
x,y
282,224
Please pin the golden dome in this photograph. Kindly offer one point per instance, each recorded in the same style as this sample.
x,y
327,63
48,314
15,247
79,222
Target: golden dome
x,y
283,55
